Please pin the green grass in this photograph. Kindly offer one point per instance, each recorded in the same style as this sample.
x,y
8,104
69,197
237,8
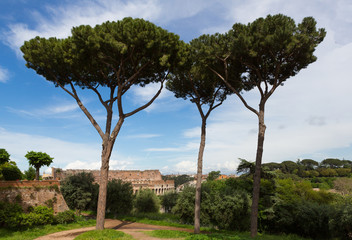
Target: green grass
x,y
167,234
32,233
106,234
160,219
218,236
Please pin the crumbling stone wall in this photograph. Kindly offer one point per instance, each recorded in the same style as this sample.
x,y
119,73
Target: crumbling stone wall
x,y
139,179
33,193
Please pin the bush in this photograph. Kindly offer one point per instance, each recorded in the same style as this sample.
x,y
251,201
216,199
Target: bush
x,y
79,191
341,223
41,215
11,172
9,214
65,217
169,200
147,201
119,198
303,218
12,216
233,212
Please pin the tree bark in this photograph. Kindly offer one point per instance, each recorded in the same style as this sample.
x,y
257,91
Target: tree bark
x,y
256,178
199,179
108,144
37,173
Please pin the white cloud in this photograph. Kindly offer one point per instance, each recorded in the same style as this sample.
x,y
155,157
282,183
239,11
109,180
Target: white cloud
x,y
4,74
66,154
65,110
140,136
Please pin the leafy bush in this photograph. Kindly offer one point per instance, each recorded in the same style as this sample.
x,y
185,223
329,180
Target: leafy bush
x,y
65,217
9,214
10,171
80,192
341,223
147,201
41,215
169,200
29,174
233,212
119,198
304,218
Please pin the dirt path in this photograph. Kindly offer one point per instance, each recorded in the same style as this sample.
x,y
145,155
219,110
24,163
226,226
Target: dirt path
x,y
132,228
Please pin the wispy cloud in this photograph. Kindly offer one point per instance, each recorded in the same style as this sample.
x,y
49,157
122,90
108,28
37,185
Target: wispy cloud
x,y
141,136
55,111
4,75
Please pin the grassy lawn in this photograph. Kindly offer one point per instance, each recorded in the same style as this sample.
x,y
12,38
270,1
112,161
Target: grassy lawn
x,y
168,234
218,236
106,234
32,233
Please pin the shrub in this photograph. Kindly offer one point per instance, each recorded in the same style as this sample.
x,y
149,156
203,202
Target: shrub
x,y
304,218
169,200
80,192
9,214
341,223
65,217
147,201
119,198
232,212
11,172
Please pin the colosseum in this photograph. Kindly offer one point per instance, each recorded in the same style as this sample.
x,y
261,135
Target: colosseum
x,y
139,179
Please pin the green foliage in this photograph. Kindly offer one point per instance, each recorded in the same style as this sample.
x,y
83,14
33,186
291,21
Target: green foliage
x,y
10,171
4,156
213,175
331,163
169,200
341,223
9,213
65,217
106,234
29,174
119,198
304,218
12,216
41,215
245,167
38,159
179,180
79,191
147,201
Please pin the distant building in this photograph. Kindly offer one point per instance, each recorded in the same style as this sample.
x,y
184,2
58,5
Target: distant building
x,y
139,179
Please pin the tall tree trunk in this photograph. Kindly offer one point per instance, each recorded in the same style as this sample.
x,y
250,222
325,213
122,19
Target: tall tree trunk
x,y
199,179
256,178
108,144
37,173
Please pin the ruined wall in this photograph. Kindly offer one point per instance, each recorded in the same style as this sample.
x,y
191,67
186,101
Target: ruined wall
x,y
34,193
139,179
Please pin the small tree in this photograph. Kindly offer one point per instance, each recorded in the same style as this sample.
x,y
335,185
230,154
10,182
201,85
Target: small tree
x,y
213,175
37,160
119,198
169,200
30,173
79,191
147,201
4,156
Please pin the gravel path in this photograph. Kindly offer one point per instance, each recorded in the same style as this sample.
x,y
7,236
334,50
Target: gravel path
x,y
132,228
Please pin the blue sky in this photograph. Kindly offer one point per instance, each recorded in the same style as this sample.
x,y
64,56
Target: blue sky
x,y
309,117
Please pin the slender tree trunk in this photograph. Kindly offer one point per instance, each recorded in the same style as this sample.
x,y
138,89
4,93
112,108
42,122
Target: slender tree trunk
x,y
37,173
108,144
199,179
256,179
